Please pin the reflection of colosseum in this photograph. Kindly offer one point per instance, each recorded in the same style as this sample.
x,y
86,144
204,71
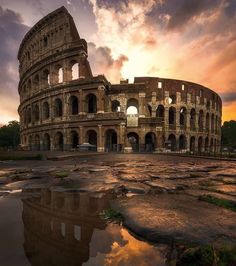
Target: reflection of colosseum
x,y
58,226
63,104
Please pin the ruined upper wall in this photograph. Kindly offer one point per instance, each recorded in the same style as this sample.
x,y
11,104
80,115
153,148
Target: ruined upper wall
x,y
53,34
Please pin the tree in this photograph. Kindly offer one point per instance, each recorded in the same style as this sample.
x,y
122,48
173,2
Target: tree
x,y
10,135
229,134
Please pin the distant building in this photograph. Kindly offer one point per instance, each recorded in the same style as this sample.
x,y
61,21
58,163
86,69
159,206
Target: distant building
x,y
62,105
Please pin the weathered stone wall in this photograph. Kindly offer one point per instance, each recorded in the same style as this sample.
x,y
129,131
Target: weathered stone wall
x,y
62,104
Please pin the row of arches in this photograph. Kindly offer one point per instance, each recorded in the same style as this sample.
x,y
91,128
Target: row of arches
x,y
47,77
111,142
33,114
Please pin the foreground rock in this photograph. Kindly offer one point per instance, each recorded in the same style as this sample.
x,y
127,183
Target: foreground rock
x,y
184,219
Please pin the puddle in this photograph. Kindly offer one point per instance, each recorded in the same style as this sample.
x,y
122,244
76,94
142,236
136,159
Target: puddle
x,y
65,228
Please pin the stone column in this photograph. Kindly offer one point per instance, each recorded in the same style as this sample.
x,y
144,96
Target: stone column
x,y
122,134
81,135
100,146
142,96
154,103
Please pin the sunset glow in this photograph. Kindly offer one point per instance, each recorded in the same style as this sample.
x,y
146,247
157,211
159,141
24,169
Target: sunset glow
x,y
169,39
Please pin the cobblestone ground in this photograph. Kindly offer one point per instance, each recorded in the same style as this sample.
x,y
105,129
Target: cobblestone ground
x,y
162,198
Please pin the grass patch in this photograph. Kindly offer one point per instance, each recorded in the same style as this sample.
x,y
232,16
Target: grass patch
x,y
60,174
199,256
227,256
20,157
112,216
228,204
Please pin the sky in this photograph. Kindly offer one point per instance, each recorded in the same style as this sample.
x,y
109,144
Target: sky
x,y
192,40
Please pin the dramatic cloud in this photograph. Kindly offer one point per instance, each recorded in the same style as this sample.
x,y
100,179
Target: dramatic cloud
x,y
190,40
102,62
12,31
183,39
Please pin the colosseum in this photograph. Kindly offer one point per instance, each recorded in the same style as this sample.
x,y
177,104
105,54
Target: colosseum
x,y
62,105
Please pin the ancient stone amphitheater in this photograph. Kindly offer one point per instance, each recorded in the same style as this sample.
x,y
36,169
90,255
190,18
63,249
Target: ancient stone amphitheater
x,y
62,105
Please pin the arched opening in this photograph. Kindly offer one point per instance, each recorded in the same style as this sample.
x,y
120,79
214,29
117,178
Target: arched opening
x,y
200,144
182,142
111,140
172,142
74,105
172,114
192,144
212,123
59,74
133,140
46,142
183,116
36,113
132,107
192,119
172,99
206,144
28,115
74,138
115,106
46,78
35,83
75,71
59,141
201,120
207,122
91,138
37,142
91,103
45,110
160,112
58,108
150,142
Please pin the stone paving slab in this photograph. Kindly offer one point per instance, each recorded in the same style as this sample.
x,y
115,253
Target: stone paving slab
x,y
165,218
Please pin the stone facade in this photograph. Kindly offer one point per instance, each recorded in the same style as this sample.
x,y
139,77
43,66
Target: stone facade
x,y
63,105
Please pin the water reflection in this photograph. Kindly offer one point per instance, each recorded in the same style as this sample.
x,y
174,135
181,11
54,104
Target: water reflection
x,y
64,228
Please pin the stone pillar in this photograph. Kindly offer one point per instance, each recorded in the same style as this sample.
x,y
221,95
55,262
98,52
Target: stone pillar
x,y
142,96
122,135
154,103
187,142
81,135
100,103
177,118
100,146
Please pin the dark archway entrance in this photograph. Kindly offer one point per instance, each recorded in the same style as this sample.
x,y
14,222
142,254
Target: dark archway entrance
x,y
92,103
91,138
150,142
133,140
59,141
182,142
172,142
111,140
46,142
74,139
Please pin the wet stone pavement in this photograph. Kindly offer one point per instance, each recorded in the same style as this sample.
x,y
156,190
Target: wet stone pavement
x,y
51,210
